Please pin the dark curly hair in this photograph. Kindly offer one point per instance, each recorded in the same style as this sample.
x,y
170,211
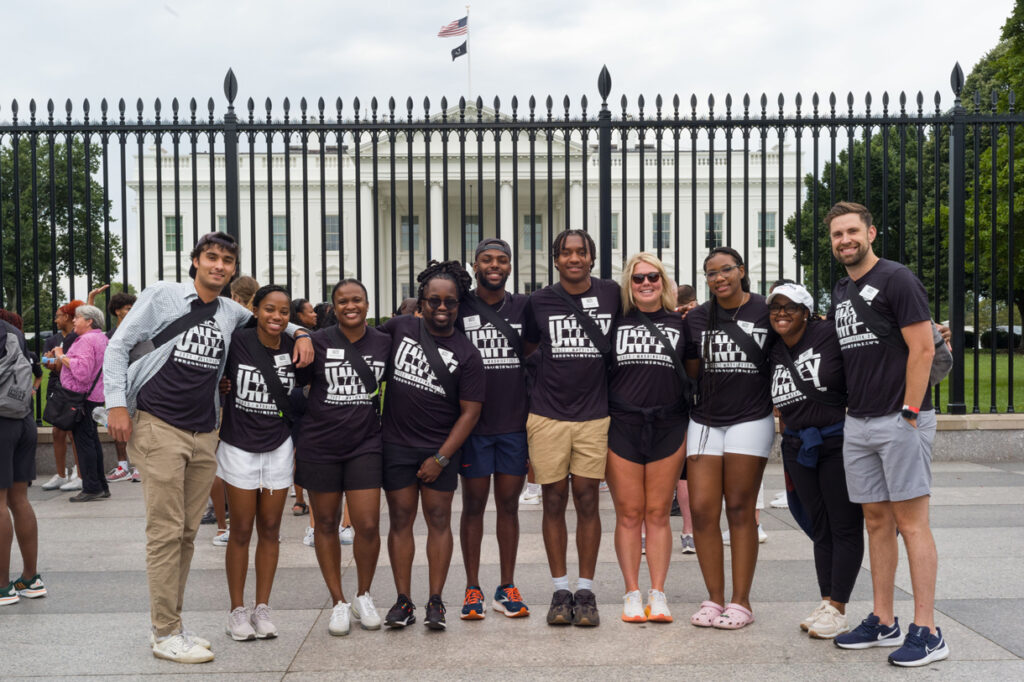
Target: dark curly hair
x,y
264,291
449,269
588,241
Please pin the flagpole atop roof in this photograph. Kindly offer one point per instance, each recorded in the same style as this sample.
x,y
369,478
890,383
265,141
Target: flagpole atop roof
x,y
469,62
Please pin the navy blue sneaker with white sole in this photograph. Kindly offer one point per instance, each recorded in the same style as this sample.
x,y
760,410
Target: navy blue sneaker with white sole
x,y
921,647
871,633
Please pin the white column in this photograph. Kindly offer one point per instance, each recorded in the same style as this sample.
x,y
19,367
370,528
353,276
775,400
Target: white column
x,y
576,206
366,209
507,229
437,226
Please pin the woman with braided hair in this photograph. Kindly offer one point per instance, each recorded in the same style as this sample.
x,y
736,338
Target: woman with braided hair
x,y
435,392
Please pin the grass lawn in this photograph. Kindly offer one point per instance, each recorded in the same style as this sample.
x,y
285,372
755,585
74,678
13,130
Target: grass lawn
x,y
984,394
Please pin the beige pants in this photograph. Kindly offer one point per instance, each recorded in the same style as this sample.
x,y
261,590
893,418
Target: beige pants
x,y
177,469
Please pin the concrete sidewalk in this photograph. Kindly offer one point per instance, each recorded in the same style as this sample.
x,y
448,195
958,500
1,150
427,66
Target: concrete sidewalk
x,y
95,620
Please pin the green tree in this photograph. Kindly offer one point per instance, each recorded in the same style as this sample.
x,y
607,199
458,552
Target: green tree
x,y
33,254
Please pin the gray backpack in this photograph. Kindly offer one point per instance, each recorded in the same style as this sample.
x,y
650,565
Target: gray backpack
x,y
15,379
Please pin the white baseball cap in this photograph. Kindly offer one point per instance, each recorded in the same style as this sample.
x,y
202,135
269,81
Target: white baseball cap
x,y
795,292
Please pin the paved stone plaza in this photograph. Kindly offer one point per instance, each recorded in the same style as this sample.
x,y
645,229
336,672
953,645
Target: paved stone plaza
x,y
95,620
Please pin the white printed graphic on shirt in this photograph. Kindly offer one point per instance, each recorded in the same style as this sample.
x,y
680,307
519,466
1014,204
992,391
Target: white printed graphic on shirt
x,y
201,346
344,387
568,338
784,390
635,345
412,368
494,346
726,354
851,331
251,392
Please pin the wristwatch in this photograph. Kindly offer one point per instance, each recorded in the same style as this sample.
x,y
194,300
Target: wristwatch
x,y
441,460
909,412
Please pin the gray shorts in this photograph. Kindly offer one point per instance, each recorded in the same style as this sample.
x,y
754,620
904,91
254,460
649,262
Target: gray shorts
x,y
887,459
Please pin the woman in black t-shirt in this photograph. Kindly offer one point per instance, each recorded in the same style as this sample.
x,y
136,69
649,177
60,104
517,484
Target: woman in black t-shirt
x,y
812,449
730,433
647,429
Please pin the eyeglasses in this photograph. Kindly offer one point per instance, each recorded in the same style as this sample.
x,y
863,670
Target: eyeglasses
x,y
790,308
436,301
639,277
711,274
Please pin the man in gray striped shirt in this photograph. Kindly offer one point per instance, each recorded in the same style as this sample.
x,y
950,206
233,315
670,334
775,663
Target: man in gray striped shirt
x,y
165,406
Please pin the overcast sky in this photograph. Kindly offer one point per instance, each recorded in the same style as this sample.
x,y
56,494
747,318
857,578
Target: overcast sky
x,y
182,48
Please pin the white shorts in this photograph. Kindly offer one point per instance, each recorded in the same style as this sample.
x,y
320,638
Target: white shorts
x,y
256,470
746,438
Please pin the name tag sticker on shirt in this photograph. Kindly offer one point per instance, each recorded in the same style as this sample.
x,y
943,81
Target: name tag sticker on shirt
x,y
747,327
589,302
335,353
471,322
868,292
806,354
282,360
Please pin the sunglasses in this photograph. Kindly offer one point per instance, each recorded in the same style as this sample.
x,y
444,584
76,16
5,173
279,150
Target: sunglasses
x,y
639,277
711,274
790,308
436,301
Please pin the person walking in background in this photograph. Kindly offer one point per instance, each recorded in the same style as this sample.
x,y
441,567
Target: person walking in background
x,y
647,391
686,300
64,337
82,372
304,315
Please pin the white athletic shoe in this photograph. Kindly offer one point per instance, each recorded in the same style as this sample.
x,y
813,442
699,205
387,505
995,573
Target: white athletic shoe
x,y
830,623
781,501
762,537
55,482
181,648
74,482
657,607
347,535
807,622
340,622
365,612
633,608
307,539
221,540
531,494
239,628
260,621
201,641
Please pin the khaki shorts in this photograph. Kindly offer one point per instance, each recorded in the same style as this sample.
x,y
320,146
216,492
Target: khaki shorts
x,y
559,448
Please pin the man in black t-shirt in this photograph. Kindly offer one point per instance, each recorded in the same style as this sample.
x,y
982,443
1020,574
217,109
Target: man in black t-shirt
x,y
890,425
567,427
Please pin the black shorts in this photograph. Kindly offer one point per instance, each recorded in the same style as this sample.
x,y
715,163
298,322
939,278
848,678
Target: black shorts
x,y
402,463
17,451
358,473
624,440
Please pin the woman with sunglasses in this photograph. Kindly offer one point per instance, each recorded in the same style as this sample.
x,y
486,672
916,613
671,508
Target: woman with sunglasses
x,y
647,429
812,409
435,392
730,433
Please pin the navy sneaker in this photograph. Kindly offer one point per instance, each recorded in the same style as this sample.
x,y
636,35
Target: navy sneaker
x,y
921,647
871,633
507,600
473,605
435,613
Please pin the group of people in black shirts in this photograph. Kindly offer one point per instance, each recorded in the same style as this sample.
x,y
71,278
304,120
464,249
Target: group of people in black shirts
x,y
587,380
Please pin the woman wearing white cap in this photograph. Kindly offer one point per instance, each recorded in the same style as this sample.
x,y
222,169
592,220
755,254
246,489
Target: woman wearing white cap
x,y
809,391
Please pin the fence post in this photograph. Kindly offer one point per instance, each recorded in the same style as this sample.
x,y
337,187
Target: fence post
x,y
604,173
957,229
231,158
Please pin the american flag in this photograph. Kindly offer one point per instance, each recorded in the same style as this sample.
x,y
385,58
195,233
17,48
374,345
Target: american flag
x,y
459,27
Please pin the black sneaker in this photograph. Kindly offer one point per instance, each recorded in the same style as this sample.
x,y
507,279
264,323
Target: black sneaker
x,y
209,517
435,613
560,612
585,614
401,614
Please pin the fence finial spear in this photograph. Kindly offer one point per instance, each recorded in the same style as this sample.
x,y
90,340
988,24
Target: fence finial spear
x,y
956,80
604,85
230,89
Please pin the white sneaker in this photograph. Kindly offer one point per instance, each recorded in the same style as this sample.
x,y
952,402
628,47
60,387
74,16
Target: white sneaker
x,y
292,490
657,607
603,487
530,494
196,639
181,648
365,612
347,535
55,482
633,608
762,537
74,482
829,624
807,622
119,473
307,539
781,501
686,540
239,628
340,623
260,621
221,539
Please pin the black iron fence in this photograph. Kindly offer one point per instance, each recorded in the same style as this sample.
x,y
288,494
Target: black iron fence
x,y
376,191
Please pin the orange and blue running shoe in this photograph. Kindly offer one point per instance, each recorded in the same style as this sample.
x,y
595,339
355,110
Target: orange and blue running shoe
x,y
507,600
473,606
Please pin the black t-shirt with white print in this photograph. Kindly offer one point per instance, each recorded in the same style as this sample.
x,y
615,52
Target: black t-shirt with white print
x,y
506,405
732,389
818,359
341,422
642,373
876,372
190,371
417,413
570,381
251,420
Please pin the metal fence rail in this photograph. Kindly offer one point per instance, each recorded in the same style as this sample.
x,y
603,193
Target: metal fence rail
x,y
327,192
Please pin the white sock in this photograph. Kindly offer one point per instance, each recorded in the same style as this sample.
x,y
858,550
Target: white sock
x,y
584,584
123,465
561,583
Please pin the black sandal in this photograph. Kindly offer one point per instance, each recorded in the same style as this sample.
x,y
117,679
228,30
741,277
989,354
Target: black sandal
x,y
300,509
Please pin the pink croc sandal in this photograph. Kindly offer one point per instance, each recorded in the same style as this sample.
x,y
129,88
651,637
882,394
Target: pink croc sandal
x,y
733,617
705,617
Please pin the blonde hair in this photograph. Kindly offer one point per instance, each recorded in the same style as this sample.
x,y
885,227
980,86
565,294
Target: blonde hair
x,y
243,289
668,287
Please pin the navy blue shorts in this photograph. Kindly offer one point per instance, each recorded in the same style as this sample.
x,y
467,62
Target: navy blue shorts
x,y
487,455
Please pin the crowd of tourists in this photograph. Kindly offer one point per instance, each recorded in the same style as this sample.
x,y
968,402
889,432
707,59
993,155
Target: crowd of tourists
x,y
584,382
